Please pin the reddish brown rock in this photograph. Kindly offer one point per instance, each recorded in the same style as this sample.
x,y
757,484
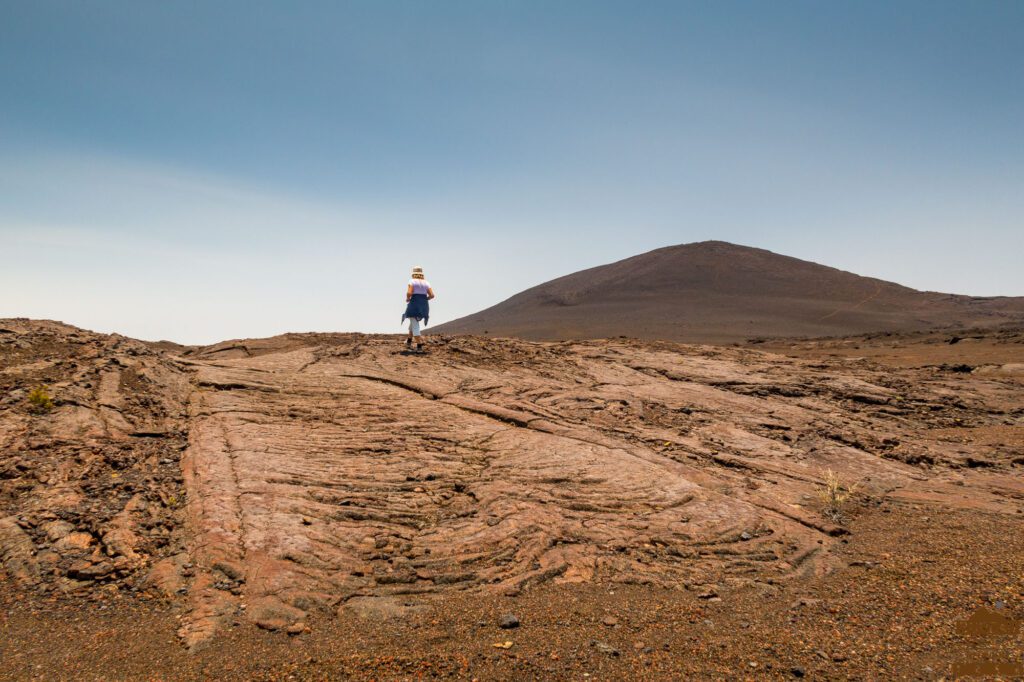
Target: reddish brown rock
x,y
56,530
16,552
90,570
271,613
74,542
317,474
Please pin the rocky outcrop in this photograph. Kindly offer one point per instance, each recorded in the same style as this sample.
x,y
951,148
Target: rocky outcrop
x,y
17,552
93,481
332,474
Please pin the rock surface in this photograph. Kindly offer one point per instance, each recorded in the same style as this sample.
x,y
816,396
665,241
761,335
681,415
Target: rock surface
x,y
315,474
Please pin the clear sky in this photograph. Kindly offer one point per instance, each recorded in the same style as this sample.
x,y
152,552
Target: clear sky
x,y
207,170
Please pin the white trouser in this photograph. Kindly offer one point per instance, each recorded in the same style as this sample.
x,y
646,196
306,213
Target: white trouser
x,y
414,326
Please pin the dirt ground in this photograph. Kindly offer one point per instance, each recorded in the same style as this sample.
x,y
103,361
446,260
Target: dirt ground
x,y
924,593
986,350
322,507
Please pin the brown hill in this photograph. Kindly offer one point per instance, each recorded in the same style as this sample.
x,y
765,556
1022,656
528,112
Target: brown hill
x,y
720,292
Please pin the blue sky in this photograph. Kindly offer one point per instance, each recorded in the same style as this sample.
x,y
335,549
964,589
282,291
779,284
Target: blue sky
x,y
207,170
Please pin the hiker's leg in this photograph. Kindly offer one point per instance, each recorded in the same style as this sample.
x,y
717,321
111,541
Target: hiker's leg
x,y
415,327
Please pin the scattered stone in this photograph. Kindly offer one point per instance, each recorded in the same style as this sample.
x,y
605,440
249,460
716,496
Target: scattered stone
x,y
508,621
85,569
379,609
270,613
73,542
121,541
861,562
231,570
605,648
610,621
55,530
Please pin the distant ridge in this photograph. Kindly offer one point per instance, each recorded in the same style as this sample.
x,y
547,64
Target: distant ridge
x,y
715,292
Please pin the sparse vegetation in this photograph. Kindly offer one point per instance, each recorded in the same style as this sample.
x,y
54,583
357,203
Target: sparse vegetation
x,y
40,399
834,495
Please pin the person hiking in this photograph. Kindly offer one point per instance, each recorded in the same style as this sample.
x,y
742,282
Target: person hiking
x,y
417,309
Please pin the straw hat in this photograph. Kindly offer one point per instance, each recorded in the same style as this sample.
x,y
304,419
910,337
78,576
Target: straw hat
x,y
417,272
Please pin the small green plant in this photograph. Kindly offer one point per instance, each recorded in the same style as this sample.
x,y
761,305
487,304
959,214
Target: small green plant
x,y
40,399
833,495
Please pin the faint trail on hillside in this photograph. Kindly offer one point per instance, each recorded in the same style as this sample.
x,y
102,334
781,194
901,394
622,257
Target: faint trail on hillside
x,y
873,296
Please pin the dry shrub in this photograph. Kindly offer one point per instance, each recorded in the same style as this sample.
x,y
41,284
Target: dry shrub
x,y
40,399
833,495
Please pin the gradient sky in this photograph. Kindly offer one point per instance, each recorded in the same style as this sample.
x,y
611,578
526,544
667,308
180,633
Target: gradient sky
x,y
208,170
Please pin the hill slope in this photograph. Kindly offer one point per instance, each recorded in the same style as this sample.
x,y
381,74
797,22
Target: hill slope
x,y
716,292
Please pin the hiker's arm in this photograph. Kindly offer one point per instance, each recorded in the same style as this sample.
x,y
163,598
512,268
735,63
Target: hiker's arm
x,y
430,293
408,294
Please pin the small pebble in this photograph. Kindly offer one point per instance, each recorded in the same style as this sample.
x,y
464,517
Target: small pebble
x,y
508,621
